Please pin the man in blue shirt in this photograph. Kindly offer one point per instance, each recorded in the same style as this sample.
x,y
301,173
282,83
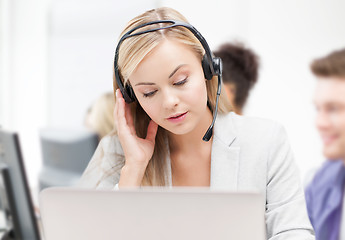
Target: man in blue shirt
x,y
325,194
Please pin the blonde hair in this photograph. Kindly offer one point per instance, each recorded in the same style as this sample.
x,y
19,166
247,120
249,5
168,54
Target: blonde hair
x,y
132,51
100,116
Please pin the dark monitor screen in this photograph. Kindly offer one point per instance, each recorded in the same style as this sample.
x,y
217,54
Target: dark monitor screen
x,y
16,201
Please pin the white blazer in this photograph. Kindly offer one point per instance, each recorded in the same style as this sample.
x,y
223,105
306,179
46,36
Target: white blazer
x,y
248,154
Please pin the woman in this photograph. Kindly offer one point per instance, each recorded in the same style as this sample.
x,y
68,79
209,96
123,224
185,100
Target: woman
x,y
159,137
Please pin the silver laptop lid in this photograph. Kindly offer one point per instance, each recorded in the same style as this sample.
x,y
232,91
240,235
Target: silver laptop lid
x,y
152,213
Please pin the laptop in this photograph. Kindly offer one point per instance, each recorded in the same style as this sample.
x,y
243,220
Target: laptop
x,y
151,213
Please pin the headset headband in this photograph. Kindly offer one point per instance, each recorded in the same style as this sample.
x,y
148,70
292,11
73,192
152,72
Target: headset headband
x,y
207,57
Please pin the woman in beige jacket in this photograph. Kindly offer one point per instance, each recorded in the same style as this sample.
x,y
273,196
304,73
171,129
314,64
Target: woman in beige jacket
x,y
166,70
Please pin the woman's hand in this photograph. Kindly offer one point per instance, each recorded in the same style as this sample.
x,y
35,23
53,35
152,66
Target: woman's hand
x,y
138,151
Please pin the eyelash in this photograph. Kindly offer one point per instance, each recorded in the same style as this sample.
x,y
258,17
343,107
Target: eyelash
x,y
149,94
180,83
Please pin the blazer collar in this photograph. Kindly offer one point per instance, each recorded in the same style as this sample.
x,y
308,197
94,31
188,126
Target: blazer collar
x,y
224,128
225,154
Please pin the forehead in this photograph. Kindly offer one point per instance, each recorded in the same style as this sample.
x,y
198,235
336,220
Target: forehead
x,y
330,90
163,59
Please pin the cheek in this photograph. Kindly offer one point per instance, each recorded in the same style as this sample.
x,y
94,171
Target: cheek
x,y
197,94
201,95
151,108
342,129
342,120
338,121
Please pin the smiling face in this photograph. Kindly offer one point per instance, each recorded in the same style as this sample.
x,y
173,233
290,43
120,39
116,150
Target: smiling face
x,y
329,100
170,86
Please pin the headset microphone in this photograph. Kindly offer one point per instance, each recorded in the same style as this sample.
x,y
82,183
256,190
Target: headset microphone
x,y
211,66
209,131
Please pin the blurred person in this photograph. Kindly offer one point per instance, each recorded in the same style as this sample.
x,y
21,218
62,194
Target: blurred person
x,y
240,72
325,193
99,117
167,86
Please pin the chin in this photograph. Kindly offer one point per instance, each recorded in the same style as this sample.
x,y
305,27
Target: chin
x,y
180,130
332,154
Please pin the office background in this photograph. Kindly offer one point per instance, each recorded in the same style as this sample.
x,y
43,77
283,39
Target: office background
x,y
56,58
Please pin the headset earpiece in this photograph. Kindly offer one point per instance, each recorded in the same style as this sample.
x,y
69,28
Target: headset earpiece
x,y
206,68
128,94
217,65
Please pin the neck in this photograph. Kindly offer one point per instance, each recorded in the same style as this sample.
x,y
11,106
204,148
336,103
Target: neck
x,y
192,140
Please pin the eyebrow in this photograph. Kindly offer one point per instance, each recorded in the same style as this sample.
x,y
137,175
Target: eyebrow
x,y
171,74
144,83
177,68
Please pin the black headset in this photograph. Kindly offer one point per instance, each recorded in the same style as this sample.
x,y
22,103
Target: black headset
x,y
211,66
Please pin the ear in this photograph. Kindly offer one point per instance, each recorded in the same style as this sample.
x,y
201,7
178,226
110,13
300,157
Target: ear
x,y
230,92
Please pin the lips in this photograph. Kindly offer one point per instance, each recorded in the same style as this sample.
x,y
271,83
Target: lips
x,y
177,117
328,139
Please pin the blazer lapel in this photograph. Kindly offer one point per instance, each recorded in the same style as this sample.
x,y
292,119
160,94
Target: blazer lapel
x,y
225,154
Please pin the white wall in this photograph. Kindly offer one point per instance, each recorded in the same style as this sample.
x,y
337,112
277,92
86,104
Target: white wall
x,y
217,20
23,77
57,56
82,41
4,79
287,36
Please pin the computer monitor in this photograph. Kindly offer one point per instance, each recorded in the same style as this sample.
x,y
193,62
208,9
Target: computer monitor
x,y
16,200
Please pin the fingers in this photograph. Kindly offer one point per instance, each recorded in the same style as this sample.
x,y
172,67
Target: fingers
x,y
124,119
115,110
120,114
151,131
129,118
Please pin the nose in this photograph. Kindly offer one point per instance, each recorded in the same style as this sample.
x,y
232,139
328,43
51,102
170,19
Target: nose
x,y
170,99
